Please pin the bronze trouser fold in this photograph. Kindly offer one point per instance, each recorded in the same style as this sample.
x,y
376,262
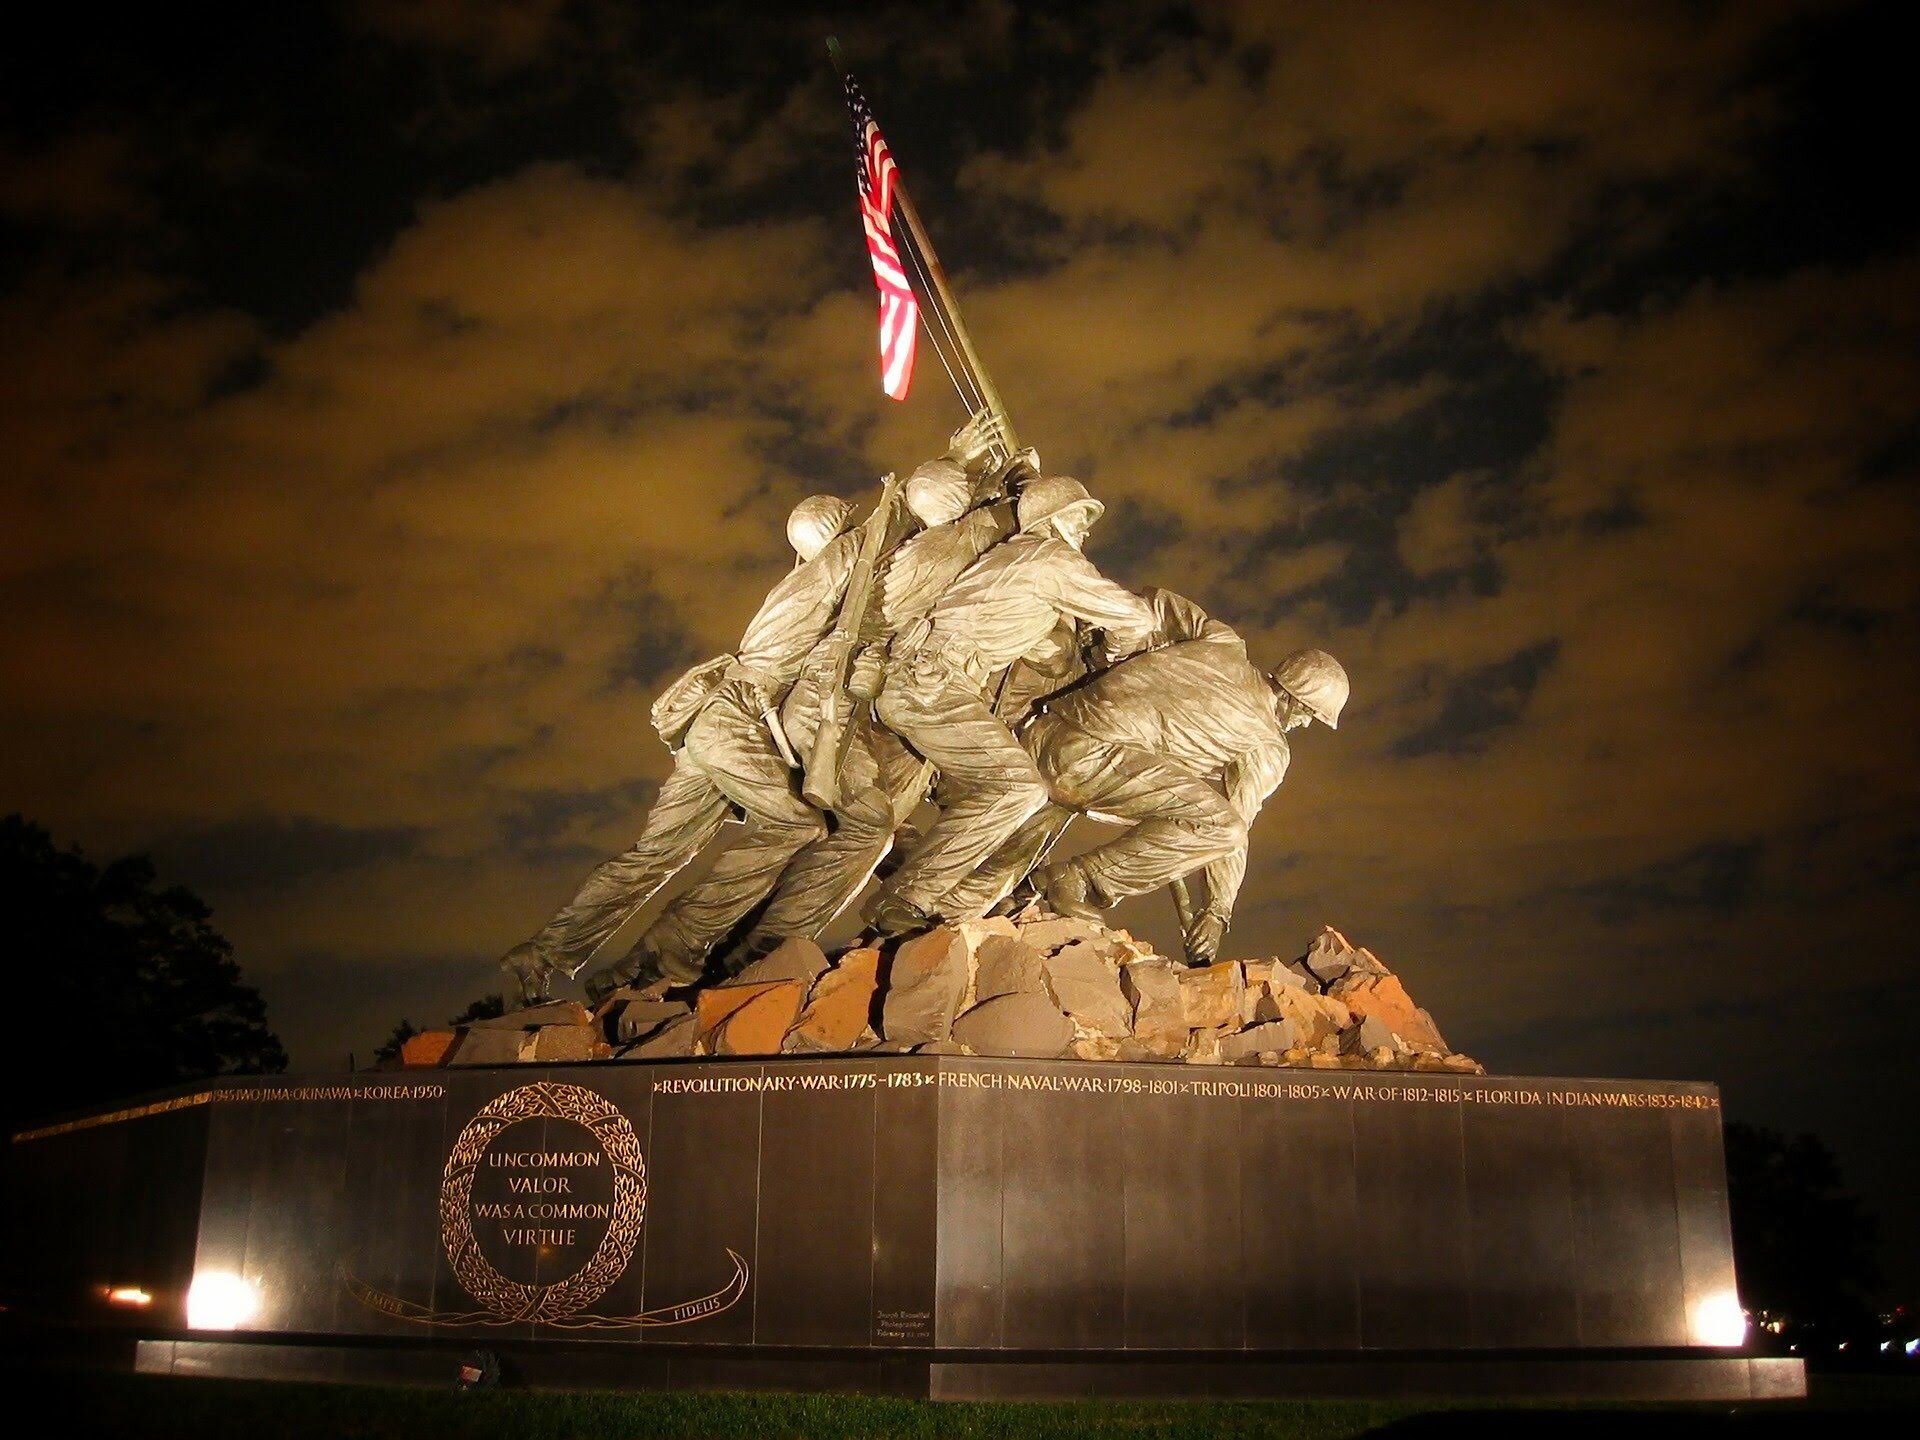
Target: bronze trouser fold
x,y
988,784
1179,821
826,875
729,761
746,766
1007,866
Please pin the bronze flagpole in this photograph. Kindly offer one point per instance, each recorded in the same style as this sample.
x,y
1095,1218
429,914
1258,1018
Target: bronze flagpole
x,y
940,299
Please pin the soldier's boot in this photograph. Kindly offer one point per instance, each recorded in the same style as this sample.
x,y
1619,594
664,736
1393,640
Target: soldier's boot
x,y
641,967
1067,888
889,915
744,951
1016,899
530,971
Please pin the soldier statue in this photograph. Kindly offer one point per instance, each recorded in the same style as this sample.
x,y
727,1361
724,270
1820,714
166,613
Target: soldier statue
x,y
1003,606
986,664
884,782
1182,743
729,754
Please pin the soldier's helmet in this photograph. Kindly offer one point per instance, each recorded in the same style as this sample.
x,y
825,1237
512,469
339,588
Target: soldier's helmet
x,y
938,492
1052,496
814,522
1317,681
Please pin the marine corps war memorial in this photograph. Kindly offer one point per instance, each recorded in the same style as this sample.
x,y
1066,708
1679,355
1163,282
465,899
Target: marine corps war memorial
x,y
993,1145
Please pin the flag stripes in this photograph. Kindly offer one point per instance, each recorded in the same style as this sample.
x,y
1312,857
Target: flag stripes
x,y
899,310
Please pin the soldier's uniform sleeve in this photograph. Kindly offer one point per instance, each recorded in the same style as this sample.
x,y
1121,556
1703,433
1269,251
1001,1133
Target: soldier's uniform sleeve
x,y
1250,779
921,569
1052,665
1088,596
985,527
796,613
1177,619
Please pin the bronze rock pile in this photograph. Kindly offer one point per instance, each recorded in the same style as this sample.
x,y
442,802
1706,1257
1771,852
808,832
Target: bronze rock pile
x,y
1035,985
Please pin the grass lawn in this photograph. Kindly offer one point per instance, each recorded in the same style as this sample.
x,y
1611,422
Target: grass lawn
x,y
76,1402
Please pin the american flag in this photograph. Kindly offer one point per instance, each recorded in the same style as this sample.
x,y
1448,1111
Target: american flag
x,y
899,311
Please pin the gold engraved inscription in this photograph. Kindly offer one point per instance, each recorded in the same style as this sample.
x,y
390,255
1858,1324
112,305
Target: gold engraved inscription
x,y
619,1149
537,1201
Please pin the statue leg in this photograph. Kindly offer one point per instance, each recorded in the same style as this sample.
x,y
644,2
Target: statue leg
x,y
1001,871
733,747
819,883
688,812
988,784
1181,822
881,780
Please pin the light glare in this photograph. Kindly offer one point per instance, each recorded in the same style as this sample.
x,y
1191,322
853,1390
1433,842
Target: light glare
x,y
128,1295
1718,1320
221,1300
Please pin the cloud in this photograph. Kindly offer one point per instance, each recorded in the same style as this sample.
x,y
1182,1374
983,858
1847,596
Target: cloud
x,y
473,486
86,179
1398,330
1478,703
498,35
1712,877
266,852
1695,703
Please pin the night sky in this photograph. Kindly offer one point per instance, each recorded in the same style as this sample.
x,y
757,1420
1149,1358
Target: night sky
x,y
392,396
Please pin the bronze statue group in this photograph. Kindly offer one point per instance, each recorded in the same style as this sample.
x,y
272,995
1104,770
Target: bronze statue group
x,y
965,652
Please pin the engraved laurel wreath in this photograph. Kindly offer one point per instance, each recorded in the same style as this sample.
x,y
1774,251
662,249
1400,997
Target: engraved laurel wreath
x,y
511,1299
563,1303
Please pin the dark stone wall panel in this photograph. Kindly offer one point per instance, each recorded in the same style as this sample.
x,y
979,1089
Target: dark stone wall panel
x,y
1063,1223
1300,1225
971,1182
1626,1227
1521,1251
704,1200
815,1277
389,1237
1410,1183
1183,1270
299,1190
905,1202
906,1214
226,1208
1712,1298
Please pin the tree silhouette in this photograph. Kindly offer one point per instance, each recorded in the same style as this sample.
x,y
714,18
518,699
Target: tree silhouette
x,y
485,1008
121,986
1803,1244
388,1050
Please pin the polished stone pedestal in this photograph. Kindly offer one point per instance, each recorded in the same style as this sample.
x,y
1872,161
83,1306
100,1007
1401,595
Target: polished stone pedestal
x,y
937,1226
1467,1375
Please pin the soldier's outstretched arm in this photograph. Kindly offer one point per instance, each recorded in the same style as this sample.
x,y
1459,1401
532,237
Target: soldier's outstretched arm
x,y
1083,592
1177,619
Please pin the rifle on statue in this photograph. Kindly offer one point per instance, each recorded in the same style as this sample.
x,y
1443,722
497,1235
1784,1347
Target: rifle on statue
x,y
826,762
